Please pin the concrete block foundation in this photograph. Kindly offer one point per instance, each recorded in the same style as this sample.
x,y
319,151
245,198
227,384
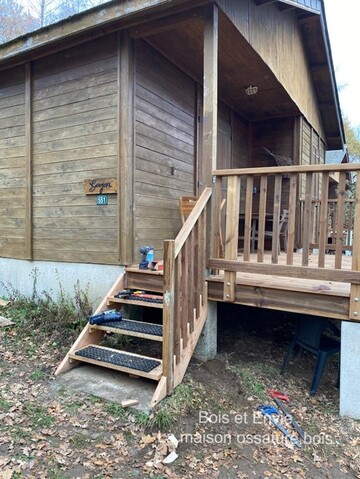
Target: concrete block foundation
x,y
96,279
349,370
206,348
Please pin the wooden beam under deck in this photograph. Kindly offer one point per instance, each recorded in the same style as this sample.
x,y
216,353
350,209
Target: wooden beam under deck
x,y
291,295
296,294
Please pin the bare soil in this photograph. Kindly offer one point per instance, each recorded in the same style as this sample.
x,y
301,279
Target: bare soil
x,y
222,435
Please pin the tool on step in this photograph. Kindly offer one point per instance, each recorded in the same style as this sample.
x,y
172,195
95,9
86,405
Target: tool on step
x,y
147,256
268,412
124,293
110,315
278,396
149,298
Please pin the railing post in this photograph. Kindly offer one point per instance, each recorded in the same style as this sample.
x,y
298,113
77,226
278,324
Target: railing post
x,y
354,309
232,234
169,313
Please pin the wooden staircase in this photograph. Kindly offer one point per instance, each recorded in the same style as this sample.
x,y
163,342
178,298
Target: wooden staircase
x,y
184,289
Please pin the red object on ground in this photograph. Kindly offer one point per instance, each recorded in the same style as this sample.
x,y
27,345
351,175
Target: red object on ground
x,y
278,395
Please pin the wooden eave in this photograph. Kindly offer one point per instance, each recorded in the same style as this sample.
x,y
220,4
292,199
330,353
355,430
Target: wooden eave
x,y
311,16
88,25
238,67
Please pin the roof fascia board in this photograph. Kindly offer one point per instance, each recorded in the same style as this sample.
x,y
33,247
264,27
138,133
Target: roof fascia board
x,y
98,17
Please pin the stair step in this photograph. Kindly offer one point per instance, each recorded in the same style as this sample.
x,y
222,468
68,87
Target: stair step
x,y
132,328
135,364
137,302
144,279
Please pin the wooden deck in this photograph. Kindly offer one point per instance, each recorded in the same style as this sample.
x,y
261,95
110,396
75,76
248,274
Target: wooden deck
x,y
298,295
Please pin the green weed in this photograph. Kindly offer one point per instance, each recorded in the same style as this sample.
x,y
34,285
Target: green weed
x,y
4,405
79,440
37,374
115,410
39,415
250,380
41,315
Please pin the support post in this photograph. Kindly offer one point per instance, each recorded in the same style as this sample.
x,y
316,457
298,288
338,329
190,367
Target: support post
x,y
206,347
349,372
126,138
210,108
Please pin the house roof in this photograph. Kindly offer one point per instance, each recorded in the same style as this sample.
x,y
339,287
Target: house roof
x,y
115,15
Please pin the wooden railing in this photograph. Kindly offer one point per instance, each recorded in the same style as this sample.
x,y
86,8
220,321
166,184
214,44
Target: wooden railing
x,y
257,196
185,292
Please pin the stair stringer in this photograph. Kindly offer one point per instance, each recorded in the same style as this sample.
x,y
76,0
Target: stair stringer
x,y
90,336
185,354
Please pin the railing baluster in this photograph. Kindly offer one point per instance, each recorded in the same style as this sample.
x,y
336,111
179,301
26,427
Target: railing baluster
x,y
323,236
340,220
185,306
306,220
248,217
178,305
291,219
262,215
276,220
190,283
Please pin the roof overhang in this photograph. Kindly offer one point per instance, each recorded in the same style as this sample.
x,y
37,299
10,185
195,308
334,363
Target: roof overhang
x,y
312,19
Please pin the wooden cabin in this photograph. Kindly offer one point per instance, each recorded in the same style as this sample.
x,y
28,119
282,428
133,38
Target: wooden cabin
x,y
109,116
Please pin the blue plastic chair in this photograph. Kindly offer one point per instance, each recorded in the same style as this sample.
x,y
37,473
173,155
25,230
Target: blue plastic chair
x,y
310,336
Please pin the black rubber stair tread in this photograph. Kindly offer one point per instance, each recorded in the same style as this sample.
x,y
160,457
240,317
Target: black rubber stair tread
x,y
120,360
129,326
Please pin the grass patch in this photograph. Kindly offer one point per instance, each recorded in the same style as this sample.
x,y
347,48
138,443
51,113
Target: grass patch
x,y
4,405
37,375
115,410
41,316
251,380
38,415
79,440
186,398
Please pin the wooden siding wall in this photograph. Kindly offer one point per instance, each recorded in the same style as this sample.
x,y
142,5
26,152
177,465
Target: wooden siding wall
x,y
277,38
12,163
165,115
75,138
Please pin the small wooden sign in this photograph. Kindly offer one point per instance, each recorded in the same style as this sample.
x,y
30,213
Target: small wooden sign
x,y
100,186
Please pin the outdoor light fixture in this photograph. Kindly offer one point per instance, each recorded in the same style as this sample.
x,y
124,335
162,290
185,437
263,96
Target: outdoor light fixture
x,y
251,90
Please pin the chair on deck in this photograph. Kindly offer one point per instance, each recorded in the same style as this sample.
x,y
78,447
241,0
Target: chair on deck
x,y
283,229
310,336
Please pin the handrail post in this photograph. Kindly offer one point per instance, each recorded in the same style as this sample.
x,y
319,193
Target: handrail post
x,y
169,313
232,234
354,309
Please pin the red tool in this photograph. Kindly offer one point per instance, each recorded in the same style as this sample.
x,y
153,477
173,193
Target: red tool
x,y
278,397
278,394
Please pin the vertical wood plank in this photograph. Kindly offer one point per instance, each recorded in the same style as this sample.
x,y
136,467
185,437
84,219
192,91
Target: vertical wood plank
x,y
306,219
168,313
232,234
28,253
210,104
340,220
190,283
126,142
275,245
324,207
354,310
248,216
262,219
291,219
216,233
178,302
